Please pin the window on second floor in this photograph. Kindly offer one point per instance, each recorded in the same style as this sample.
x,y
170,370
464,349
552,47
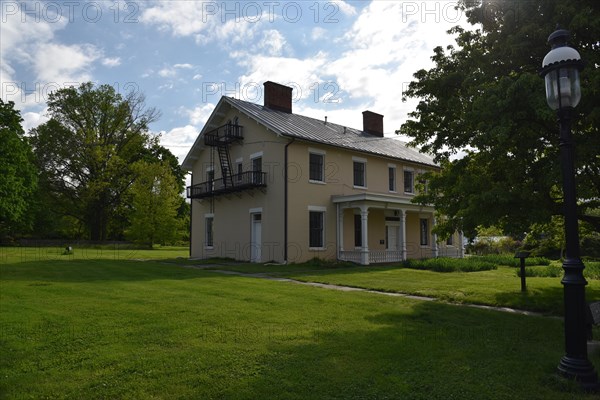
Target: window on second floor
x,y
392,179
360,172
257,170
409,184
239,169
316,167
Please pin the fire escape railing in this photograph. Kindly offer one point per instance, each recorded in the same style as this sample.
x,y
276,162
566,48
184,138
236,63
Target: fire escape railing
x,y
245,180
221,138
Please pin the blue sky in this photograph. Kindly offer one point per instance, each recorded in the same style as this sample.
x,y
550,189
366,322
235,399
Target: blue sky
x,y
341,57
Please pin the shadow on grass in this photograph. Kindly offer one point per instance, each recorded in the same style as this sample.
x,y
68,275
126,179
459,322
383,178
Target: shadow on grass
x,y
435,351
98,270
547,300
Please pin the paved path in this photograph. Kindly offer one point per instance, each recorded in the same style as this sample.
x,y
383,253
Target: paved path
x,y
343,288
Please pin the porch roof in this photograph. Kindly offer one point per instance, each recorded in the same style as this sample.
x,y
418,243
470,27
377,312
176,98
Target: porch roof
x,y
381,201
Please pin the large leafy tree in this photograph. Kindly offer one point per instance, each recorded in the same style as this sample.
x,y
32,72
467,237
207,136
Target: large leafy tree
x,y
18,175
484,100
86,151
155,201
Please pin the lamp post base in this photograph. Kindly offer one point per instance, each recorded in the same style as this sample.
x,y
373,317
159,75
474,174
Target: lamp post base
x,y
580,370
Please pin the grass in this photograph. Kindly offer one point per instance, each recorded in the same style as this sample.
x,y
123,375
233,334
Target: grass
x,y
592,269
500,287
510,261
110,252
443,264
116,329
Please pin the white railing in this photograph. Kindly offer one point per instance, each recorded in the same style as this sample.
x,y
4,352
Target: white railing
x,y
383,256
377,256
352,256
452,252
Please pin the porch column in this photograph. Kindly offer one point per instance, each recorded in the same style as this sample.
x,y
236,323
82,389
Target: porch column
x,y
434,244
340,227
461,248
403,234
364,226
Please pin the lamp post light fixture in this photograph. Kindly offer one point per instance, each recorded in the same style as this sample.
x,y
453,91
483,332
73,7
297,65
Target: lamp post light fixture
x,y
560,70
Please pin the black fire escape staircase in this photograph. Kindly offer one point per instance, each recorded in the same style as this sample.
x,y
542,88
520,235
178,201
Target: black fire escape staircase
x,y
225,162
231,181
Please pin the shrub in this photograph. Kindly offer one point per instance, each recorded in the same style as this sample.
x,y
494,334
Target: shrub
x,y
511,261
592,269
443,264
547,271
554,270
493,245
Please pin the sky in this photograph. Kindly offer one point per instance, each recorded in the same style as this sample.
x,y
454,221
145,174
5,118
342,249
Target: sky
x,y
341,57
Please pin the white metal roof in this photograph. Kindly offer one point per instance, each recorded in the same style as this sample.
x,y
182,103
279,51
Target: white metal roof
x,y
314,130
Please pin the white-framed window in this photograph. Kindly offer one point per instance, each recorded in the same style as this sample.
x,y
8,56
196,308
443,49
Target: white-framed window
x,y
239,169
257,176
409,181
210,178
450,240
209,236
316,227
316,166
359,172
391,177
424,231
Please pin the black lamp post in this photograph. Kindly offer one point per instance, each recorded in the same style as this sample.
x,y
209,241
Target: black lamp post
x,y
560,69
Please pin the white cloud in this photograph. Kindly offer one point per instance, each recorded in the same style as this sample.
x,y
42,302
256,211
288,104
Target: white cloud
x,y
167,72
64,64
204,21
344,7
386,44
317,33
33,119
302,74
111,62
179,140
31,44
199,114
182,18
171,71
272,42
197,77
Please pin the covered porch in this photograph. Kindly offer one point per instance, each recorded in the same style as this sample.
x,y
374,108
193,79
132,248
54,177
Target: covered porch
x,y
377,228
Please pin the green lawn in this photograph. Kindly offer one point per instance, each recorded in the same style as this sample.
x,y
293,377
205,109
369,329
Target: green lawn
x,y
500,287
105,252
124,329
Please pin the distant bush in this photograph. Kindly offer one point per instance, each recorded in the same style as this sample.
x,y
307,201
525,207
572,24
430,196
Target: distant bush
x,y
442,264
493,245
592,269
547,271
511,261
554,270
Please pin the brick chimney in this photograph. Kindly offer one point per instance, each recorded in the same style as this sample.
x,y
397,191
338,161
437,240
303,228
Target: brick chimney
x,y
373,123
278,97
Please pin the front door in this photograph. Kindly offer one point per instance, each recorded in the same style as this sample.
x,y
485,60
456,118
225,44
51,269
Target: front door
x,y
392,237
256,240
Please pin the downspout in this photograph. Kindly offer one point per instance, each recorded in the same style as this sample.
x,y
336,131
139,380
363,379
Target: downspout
x,y
285,202
191,214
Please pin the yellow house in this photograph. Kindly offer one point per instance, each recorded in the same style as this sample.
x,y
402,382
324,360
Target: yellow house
x,y
270,185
